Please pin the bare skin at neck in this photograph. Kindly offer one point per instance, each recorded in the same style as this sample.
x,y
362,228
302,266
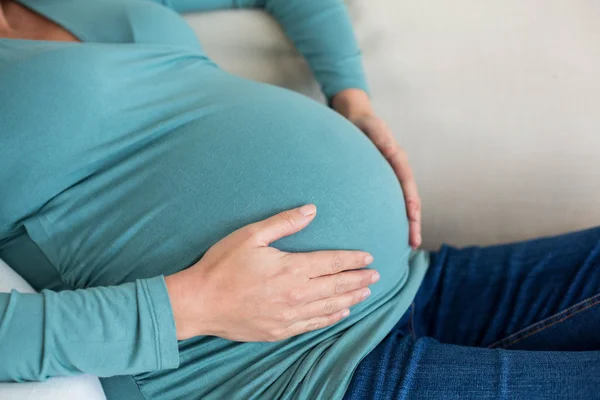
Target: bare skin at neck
x,y
18,22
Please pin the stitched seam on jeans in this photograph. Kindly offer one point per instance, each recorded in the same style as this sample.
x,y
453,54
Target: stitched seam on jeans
x,y
545,320
552,324
527,332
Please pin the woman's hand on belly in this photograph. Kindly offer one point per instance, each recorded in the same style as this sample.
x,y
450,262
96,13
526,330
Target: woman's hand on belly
x,y
354,104
245,290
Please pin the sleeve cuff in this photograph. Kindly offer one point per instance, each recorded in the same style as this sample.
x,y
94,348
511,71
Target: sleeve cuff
x,y
163,321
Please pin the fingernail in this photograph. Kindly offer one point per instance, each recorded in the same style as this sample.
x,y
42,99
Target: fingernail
x,y
308,209
345,313
368,259
366,293
375,277
419,240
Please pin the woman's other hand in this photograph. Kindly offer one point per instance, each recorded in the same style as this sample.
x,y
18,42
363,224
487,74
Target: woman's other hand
x,y
354,104
244,290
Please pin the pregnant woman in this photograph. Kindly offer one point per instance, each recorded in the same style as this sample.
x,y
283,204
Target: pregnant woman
x,y
166,210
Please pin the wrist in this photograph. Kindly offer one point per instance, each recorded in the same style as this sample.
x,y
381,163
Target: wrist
x,y
176,288
352,104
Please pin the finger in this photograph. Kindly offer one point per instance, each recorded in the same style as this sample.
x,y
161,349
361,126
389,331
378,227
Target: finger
x,y
414,205
328,262
335,285
384,140
381,136
332,305
413,210
415,239
283,224
412,200
398,159
315,323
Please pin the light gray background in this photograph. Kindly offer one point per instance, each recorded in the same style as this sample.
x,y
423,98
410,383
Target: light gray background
x,y
496,102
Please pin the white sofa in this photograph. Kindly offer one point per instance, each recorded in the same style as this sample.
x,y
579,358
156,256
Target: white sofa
x,y
496,102
84,387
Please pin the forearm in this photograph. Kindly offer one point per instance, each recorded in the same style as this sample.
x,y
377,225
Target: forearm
x,y
320,29
104,331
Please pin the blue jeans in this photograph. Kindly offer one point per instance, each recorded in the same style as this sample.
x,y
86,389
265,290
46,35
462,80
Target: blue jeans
x,y
516,321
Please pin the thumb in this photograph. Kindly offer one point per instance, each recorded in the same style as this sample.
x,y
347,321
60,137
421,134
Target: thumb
x,y
283,224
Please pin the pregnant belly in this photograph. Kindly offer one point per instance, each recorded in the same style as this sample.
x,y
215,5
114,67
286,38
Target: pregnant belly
x,y
160,209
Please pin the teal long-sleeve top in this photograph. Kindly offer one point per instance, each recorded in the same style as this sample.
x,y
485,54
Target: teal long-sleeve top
x,y
123,158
